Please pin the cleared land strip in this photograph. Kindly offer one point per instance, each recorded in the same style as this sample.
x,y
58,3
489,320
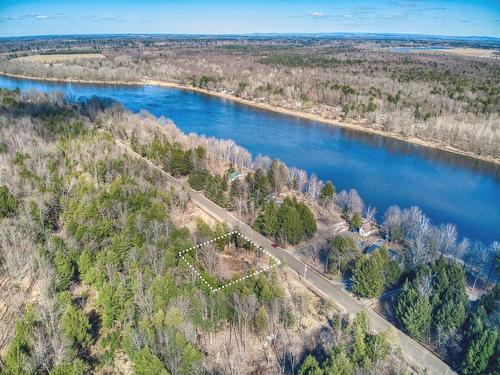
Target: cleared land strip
x,y
412,349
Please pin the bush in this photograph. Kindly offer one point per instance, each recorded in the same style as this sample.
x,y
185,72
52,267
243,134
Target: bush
x,y
76,326
327,193
310,366
393,273
198,179
356,221
64,269
146,363
343,249
8,203
76,367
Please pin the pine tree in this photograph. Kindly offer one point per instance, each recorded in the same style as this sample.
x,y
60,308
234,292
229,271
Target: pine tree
x,y
146,363
338,363
413,311
64,269
20,345
308,220
359,351
479,352
310,366
449,296
267,221
8,203
261,320
379,347
342,250
356,221
75,367
289,223
368,276
76,326
327,194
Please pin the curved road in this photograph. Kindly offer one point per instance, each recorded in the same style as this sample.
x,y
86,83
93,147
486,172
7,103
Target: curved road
x,y
414,351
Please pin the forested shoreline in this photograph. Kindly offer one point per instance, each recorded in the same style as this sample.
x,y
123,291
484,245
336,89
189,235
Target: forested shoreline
x,y
73,207
450,101
91,280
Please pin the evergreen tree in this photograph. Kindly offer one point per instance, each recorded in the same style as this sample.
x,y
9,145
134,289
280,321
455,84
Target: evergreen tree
x,y
76,326
292,221
180,162
327,194
76,367
262,183
356,221
198,179
261,320
372,106
378,347
8,203
342,250
413,311
480,351
308,220
392,273
359,351
338,363
64,269
449,316
368,276
146,363
267,221
449,297
310,366
112,300
289,223
20,345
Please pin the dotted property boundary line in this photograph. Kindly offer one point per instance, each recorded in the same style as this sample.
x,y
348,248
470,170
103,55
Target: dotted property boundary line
x,y
277,262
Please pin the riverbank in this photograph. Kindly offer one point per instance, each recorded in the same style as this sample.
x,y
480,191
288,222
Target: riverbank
x,y
265,106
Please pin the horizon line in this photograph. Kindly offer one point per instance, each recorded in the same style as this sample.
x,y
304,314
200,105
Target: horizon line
x,y
258,34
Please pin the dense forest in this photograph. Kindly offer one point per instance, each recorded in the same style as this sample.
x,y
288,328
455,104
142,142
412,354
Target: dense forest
x,y
447,100
91,281
90,236
89,244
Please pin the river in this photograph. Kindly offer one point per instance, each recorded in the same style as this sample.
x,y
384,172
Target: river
x,y
449,188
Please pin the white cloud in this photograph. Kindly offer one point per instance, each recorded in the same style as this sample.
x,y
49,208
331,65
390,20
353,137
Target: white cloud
x,y
319,15
33,16
45,17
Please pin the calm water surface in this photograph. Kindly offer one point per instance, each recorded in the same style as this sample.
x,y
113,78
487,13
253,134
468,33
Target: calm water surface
x,y
448,188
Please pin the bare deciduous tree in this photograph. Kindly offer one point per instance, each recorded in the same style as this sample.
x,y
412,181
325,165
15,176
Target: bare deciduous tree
x,y
350,202
209,257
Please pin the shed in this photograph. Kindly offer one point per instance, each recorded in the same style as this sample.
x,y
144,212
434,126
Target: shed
x,y
235,175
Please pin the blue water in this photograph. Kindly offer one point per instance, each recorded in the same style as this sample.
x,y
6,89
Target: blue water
x,y
410,49
448,188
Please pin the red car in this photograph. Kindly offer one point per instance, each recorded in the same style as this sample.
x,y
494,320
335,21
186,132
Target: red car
x,y
275,245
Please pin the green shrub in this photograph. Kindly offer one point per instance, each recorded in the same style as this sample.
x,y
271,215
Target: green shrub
x,y
198,179
8,203
76,326
146,363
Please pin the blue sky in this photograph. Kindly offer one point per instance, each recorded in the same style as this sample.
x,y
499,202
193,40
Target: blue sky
x,y
444,17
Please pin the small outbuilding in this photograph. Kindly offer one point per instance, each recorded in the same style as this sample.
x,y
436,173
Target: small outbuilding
x,y
367,228
235,175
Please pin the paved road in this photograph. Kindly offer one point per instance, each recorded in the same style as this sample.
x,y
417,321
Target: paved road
x,y
411,348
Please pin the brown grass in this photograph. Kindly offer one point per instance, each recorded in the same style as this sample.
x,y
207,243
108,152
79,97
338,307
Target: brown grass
x,y
468,52
237,260
47,59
